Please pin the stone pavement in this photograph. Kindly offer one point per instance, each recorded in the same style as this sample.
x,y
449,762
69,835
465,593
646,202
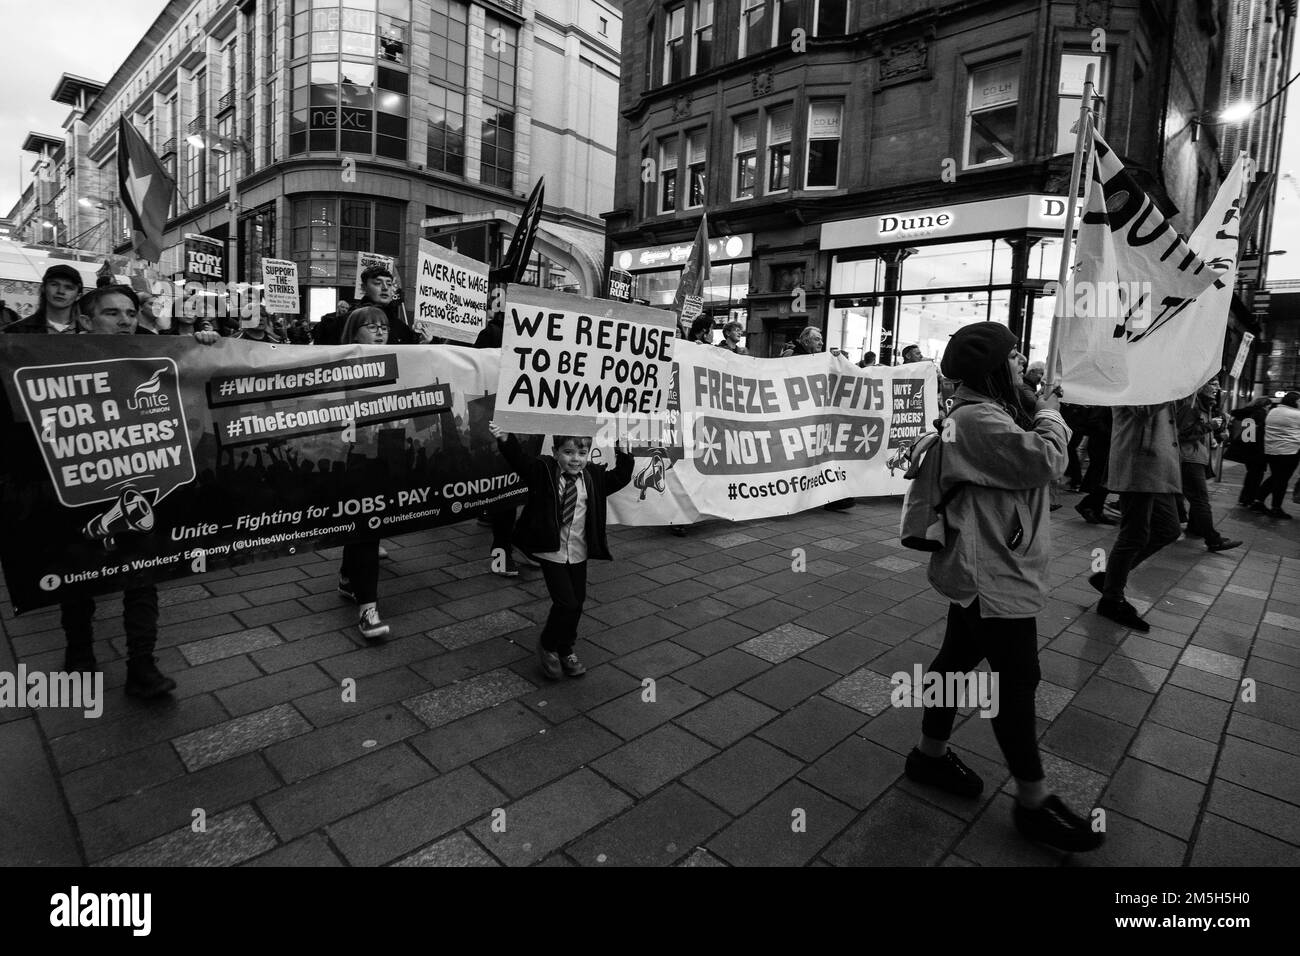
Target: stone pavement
x,y
770,697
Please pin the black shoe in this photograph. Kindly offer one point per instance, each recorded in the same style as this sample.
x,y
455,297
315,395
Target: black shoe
x,y
572,666
678,531
1093,516
79,661
1259,506
143,679
844,504
1058,826
1223,544
1097,581
549,662
946,772
1121,612
1278,513
346,589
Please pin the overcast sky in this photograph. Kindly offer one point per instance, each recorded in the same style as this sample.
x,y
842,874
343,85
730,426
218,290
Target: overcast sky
x,y
91,38
44,40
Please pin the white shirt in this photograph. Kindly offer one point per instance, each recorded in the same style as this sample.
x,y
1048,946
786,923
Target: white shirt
x,y
573,536
1282,431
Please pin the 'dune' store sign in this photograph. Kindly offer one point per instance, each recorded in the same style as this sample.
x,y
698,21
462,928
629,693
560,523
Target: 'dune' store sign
x,y
205,259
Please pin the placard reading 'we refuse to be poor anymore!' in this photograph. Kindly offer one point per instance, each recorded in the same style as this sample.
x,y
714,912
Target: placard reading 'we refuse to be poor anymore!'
x,y
572,365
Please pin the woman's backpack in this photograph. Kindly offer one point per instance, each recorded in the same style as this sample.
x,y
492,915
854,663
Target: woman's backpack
x,y
923,525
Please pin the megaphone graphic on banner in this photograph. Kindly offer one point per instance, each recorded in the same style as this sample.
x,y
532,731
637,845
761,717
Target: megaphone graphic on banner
x,y
131,512
652,475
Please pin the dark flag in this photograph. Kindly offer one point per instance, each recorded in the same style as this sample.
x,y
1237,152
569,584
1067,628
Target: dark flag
x,y
689,301
147,190
521,243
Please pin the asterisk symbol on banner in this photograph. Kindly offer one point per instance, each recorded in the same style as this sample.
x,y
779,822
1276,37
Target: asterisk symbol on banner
x,y
864,442
710,445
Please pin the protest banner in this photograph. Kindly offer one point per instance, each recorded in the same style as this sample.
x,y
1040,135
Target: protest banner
x,y
367,259
451,293
280,286
204,259
766,438
574,366
1243,353
155,457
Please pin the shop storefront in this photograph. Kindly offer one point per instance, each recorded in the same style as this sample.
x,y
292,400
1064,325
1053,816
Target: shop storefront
x,y
657,270
914,277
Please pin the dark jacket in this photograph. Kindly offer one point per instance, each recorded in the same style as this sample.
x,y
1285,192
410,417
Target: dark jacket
x,y
399,333
1248,452
538,528
1194,429
489,337
34,324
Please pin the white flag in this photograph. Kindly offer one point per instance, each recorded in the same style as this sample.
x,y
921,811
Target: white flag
x,y
1143,316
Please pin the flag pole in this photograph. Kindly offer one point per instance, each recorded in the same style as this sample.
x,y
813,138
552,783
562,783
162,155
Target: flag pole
x,y
1067,233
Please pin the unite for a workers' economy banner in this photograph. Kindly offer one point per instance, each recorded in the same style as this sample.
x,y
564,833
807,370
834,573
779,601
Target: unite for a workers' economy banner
x,y
1142,319
132,458
766,437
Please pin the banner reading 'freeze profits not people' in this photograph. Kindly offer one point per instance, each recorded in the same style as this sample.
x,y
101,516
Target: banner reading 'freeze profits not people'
x,y
132,458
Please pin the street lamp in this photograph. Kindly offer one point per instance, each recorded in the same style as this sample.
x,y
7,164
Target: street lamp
x,y
219,143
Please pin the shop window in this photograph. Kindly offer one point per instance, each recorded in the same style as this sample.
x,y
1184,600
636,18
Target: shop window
x,y
446,132
745,139
755,34
1069,88
675,44
697,150
779,131
822,170
327,233
830,18
668,174
448,32
702,44
991,114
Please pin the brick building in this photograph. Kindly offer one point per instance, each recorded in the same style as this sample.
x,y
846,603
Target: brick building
x,y
903,164
313,129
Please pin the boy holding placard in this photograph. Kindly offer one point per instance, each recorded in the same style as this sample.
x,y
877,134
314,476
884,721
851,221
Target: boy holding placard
x,y
563,525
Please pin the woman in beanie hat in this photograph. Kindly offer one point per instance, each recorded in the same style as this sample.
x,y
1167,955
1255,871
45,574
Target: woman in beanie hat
x,y
993,572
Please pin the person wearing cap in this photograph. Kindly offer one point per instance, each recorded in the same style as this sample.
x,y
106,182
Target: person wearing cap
x,y
1197,425
61,287
1281,451
1145,468
1000,460
378,289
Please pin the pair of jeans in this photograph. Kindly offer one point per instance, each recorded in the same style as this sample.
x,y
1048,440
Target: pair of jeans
x,y
361,569
567,586
139,618
1148,521
1280,470
1011,646
1200,519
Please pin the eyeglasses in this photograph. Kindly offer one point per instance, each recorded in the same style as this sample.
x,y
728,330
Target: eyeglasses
x,y
374,326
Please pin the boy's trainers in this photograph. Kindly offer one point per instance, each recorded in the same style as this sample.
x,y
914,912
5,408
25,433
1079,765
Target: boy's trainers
x,y
572,666
345,589
371,627
1058,826
946,773
549,662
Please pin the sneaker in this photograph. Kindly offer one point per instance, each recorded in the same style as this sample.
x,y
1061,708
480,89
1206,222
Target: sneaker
x,y
572,666
1058,826
1097,581
79,661
946,772
371,627
1121,612
511,570
1223,544
143,679
346,590
549,661
383,552
1278,513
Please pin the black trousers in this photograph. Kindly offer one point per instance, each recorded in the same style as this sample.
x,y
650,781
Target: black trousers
x,y
1011,647
139,616
503,527
1280,470
1148,522
1200,519
567,585
361,569
1250,486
